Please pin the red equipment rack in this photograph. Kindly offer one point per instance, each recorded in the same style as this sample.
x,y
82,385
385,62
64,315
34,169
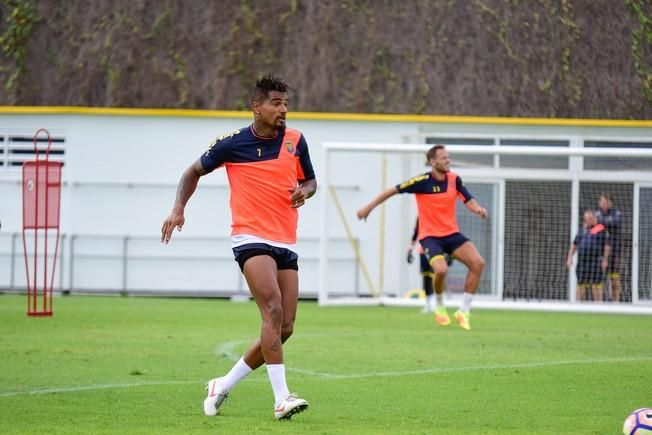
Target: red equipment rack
x,y
41,209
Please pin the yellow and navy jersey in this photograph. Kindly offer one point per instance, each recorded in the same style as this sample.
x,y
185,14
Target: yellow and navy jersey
x,y
262,174
612,219
436,202
590,243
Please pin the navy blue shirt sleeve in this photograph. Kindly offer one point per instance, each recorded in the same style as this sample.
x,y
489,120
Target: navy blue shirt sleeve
x,y
578,237
461,188
218,153
304,160
413,185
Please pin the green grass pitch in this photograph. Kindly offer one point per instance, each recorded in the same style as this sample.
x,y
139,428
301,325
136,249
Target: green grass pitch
x,y
139,365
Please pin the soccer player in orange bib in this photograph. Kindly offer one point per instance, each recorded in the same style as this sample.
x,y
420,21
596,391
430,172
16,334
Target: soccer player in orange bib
x,y
270,175
436,193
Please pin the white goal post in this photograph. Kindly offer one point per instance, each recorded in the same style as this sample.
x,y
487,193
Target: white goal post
x,y
535,189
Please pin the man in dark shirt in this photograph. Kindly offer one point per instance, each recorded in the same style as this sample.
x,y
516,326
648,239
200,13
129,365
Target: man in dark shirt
x,y
612,219
593,247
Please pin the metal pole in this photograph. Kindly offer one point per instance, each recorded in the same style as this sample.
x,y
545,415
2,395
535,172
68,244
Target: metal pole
x,y
356,271
635,242
499,228
62,269
125,253
12,261
323,228
240,282
381,260
71,272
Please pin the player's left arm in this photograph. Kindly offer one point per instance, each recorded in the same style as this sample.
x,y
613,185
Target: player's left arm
x,y
415,234
606,251
307,184
304,190
413,241
475,208
469,201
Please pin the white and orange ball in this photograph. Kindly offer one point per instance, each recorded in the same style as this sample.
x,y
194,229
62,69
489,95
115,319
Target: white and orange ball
x,y
638,422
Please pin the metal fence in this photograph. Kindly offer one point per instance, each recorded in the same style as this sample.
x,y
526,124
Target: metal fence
x,y
191,266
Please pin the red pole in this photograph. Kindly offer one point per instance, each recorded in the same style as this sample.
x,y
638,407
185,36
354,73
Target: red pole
x,y
29,288
54,265
45,244
47,216
36,190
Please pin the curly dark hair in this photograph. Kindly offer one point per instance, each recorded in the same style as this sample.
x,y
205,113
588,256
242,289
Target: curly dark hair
x,y
268,83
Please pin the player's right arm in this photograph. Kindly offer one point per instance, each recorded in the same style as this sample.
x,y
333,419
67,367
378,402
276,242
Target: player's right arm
x,y
571,251
413,185
364,211
185,189
569,257
218,153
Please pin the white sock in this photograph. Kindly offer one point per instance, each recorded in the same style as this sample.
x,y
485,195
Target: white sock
x,y
466,302
276,373
430,301
439,300
236,374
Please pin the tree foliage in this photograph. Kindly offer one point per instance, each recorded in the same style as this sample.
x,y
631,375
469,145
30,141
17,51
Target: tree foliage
x,y
530,58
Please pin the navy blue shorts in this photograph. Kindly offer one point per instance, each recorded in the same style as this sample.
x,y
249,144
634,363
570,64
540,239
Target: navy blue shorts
x,y
589,272
285,259
435,246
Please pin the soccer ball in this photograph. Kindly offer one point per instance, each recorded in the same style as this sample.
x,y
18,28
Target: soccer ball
x,y
639,422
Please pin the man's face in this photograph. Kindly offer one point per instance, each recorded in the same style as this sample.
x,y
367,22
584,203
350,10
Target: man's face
x,y
589,219
273,110
603,203
441,162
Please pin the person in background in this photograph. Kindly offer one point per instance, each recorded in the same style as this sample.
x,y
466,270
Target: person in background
x,y
612,219
593,247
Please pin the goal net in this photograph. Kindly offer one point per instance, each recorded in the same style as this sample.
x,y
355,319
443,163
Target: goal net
x,y
535,191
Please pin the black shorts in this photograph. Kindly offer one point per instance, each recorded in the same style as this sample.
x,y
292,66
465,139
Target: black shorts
x,y
285,259
439,246
589,272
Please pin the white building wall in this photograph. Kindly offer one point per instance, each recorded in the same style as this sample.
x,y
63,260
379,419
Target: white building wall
x,y
120,176
119,180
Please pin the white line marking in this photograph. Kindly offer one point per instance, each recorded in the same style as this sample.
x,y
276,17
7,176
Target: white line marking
x,y
91,388
437,370
228,350
335,376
